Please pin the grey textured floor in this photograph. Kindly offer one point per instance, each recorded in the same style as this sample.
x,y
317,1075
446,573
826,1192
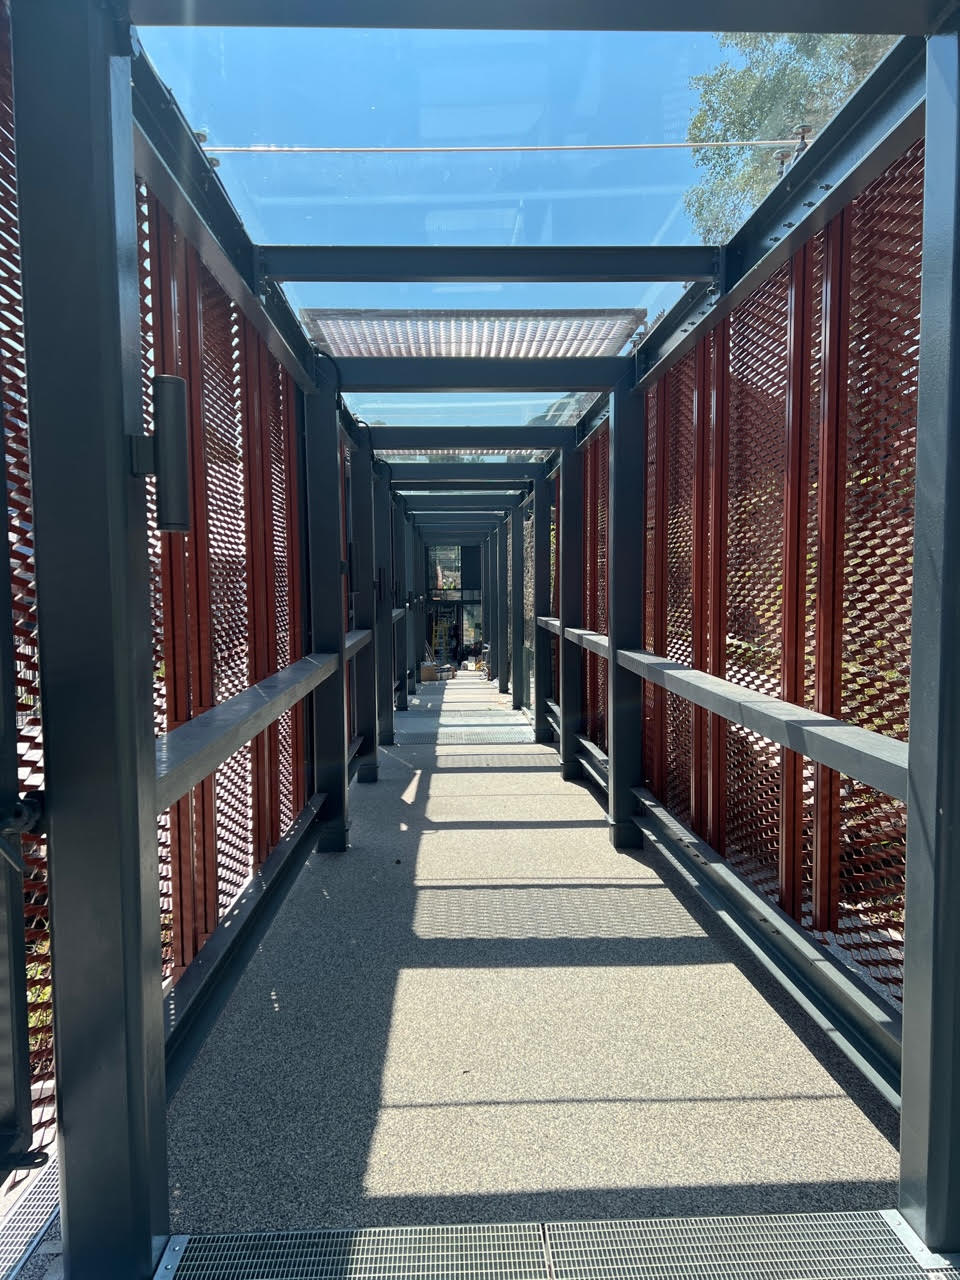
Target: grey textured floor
x,y
483,1013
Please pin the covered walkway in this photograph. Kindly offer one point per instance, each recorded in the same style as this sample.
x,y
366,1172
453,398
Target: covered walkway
x,y
482,1012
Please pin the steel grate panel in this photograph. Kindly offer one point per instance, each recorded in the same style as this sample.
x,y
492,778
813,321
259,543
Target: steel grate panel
x,y
825,1246
27,1220
482,334
513,1251
464,737
842,1246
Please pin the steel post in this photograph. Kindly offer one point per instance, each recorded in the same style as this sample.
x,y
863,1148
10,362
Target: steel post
x,y
383,582
327,707
570,570
365,665
930,1119
626,542
75,152
493,559
517,674
503,611
542,657
402,630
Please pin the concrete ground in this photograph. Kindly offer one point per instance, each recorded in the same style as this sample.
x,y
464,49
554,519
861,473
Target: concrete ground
x,y
481,1012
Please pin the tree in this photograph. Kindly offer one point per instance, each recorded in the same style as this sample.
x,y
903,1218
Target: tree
x,y
784,81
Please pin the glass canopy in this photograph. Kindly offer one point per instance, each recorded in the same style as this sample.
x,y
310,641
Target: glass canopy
x,y
469,408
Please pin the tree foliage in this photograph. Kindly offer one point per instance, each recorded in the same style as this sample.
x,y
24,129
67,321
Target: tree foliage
x,y
784,81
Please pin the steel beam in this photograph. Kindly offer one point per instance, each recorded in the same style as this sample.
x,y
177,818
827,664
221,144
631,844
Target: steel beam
x,y
893,16
877,123
570,570
626,542
415,475
365,612
930,1125
327,709
442,264
470,439
518,672
453,373
383,583
542,655
75,152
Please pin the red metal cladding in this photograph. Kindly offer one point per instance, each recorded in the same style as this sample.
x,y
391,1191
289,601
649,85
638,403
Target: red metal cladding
x,y
19,537
756,412
881,413
795,511
603,583
659,736
680,459
146,243
717,606
226,573
650,744
700,577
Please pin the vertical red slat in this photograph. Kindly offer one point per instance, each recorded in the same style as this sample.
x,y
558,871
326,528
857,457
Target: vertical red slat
x,y
717,627
294,571
795,504
202,695
175,613
829,604
267,377
659,735
700,584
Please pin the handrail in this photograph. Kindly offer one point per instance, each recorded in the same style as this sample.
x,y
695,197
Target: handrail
x,y
863,754
354,641
550,624
191,752
595,641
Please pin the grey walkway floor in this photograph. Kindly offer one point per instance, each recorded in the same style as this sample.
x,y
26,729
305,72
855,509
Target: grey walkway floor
x,y
481,1012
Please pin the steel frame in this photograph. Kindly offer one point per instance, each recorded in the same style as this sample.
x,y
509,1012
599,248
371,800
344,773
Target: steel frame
x,y
503,608
383,584
517,673
919,17
440,264
470,475
570,573
454,373
383,439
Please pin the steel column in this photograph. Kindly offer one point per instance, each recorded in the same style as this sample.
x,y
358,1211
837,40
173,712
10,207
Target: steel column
x,y
485,593
542,658
383,580
626,540
494,561
930,1122
503,610
327,708
517,674
570,571
75,152
365,664
402,631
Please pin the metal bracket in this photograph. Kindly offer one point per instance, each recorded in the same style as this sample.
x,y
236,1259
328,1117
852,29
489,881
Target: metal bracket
x,y
26,818
143,456
23,1160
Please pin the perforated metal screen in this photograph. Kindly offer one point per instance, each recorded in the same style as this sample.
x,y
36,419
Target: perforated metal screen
x,y
808,516
595,506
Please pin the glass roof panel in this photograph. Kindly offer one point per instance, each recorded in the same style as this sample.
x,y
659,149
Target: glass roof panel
x,y
469,408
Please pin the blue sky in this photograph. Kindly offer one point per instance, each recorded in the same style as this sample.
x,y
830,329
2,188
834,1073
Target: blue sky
x,y
424,88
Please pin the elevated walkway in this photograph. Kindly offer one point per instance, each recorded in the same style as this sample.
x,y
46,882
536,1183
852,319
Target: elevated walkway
x,y
483,1013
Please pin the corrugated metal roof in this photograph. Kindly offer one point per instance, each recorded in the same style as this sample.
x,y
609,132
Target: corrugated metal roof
x,y
488,334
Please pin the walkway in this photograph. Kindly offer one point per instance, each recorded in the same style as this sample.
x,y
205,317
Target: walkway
x,y
483,1013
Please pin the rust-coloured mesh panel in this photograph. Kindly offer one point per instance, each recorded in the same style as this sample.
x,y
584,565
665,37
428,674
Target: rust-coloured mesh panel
x,y
757,423
649,583
146,242
884,333
681,385
227,550
19,528
529,620
271,392
601,597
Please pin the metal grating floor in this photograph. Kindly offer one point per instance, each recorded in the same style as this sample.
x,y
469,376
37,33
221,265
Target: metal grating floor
x,y
28,1219
841,1246
475,737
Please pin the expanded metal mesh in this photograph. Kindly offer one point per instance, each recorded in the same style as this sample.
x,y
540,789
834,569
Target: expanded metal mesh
x,y
679,463
758,371
529,618
884,332
651,698
23,588
595,495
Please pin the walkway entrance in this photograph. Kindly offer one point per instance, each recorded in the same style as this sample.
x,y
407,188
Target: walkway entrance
x,y
484,1013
